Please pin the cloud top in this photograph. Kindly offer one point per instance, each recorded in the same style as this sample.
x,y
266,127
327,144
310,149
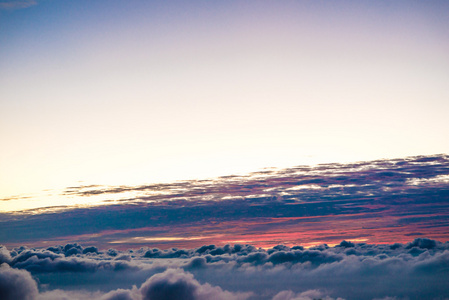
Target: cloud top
x,y
349,270
177,284
16,284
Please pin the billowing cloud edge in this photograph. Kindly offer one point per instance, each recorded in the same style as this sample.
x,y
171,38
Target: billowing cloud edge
x,y
346,271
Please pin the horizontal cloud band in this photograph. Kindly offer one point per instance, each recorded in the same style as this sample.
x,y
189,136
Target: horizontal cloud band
x,y
416,270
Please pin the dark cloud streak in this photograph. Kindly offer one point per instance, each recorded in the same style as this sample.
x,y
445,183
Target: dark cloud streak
x,y
378,201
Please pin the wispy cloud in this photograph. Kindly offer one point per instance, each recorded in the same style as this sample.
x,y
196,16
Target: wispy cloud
x,y
379,201
17,4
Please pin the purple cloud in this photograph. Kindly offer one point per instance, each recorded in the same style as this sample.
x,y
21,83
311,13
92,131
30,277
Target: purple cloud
x,y
382,201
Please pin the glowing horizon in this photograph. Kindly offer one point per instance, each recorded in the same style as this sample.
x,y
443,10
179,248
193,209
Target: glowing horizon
x,y
381,202
134,93
229,150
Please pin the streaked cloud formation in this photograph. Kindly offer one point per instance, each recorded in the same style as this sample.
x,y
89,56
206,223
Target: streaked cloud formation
x,y
414,270
382,201
17,4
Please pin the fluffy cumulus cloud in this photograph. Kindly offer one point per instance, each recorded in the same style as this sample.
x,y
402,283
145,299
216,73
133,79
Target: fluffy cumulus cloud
x,y
122,294
415,270
177,284
16,284
307,295
4,255
170,284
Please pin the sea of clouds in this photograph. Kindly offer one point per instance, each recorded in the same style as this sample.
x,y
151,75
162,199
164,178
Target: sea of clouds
x,y
415,270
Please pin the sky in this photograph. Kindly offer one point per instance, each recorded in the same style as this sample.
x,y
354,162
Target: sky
x,y
377,202
282,150
132,92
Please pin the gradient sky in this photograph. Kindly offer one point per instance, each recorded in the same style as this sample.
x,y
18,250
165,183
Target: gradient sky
x,y
253,149
130,92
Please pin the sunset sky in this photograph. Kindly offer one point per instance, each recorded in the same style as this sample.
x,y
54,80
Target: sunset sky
x,y
132,92
238,149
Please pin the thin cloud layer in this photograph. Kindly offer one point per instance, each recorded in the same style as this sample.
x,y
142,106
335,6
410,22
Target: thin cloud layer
x,y
414,270
17,4
381,201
